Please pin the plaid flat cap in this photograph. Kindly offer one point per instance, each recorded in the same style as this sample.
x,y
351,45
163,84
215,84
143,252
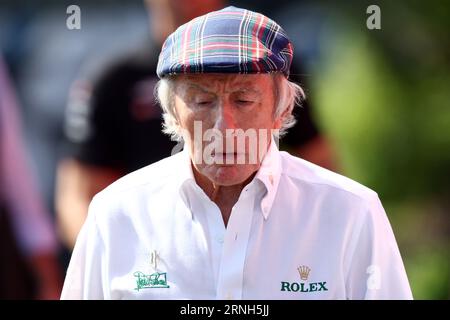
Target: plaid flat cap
x,y
231,40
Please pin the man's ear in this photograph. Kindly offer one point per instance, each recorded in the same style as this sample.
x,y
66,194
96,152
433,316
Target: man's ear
x,y
279,120
277,123
174,107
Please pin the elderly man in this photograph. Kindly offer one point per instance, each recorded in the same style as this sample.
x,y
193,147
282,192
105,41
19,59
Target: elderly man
x,y
231,217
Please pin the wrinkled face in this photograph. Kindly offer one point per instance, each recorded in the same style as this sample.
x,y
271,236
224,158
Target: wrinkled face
x,y
226,122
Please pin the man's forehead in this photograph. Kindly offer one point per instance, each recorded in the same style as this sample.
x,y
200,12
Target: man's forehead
x,y
253,82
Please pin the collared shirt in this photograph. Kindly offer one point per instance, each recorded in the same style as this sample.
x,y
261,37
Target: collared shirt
x,y
297,231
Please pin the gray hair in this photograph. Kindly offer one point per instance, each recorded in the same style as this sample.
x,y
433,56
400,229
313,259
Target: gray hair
x,y
288,94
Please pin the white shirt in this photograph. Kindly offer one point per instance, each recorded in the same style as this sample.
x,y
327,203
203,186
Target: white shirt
x,y
298,231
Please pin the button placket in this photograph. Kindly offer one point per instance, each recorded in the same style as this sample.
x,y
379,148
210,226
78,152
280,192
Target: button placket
x,y
231,270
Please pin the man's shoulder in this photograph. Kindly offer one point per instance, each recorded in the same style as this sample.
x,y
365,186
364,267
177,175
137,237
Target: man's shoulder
x,y
305,172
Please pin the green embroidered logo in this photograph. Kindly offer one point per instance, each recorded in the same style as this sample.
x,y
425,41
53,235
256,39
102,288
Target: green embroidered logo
x,y
154,280
302,286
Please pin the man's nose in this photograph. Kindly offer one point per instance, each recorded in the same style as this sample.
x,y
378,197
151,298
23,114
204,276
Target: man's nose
x,y
225,117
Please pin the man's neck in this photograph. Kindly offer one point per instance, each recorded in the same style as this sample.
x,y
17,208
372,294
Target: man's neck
x,y
225,197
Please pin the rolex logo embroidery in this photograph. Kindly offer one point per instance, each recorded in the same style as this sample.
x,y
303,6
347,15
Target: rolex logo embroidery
x,y
154,280
303,285
303,271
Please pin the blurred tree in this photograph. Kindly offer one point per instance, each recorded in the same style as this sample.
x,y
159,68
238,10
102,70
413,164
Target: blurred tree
x,y
383,98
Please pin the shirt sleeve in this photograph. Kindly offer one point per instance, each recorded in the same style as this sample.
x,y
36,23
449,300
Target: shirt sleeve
x,y
375,269
86,274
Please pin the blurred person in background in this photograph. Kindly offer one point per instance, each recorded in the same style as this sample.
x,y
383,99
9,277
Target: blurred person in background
x,y
29,267
113,125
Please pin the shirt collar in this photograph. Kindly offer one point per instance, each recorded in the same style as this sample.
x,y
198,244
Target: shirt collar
x,y
268,174
186,181
185,173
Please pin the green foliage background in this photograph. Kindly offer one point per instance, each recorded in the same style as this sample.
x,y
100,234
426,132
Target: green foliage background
x,y
383,99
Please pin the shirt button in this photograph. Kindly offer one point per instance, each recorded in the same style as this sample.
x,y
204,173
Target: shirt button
x,y
220,239
229,296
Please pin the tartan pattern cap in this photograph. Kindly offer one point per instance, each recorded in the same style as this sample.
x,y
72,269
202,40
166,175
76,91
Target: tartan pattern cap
x,y
231,40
